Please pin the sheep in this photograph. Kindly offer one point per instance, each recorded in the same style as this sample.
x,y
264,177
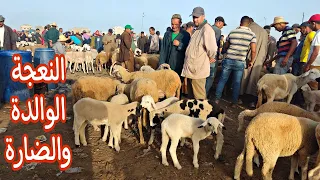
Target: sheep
x,y
279,107
195,108
101,59
178,126
276,135
276,87
314,173
88,58
121,99
167,80
164,66
311,98
100,88
146,68
147,59
95,112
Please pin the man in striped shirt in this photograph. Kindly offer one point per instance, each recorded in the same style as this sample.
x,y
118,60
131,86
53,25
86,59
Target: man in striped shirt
x,y
237,44
286,46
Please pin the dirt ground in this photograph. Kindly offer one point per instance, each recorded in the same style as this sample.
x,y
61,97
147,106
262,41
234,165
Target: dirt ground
x,y
98,161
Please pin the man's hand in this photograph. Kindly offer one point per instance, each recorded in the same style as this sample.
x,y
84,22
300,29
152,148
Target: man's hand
x,y
250,64
306,68
284,62
176,42
131,49
212,60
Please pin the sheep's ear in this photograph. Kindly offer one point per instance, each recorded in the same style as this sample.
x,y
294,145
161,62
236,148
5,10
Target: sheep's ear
x,y
203,124
153,105
306,74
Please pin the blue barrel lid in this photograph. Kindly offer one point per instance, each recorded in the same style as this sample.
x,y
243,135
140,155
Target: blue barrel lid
x,y
44,49
12,52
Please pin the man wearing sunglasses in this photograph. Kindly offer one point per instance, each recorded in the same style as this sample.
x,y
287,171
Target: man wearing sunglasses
x,y
7,40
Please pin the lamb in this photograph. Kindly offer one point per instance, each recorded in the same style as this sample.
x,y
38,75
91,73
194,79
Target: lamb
x,y
121,99
101,59
147,59
100,88
167,81
276,135
146,68
202,109
276,87
279,107
178,126
95,112
314,173
164,66
311,98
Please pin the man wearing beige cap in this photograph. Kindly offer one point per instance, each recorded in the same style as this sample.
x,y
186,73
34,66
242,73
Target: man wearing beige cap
x,y
7,39
200,52
286,46
52,35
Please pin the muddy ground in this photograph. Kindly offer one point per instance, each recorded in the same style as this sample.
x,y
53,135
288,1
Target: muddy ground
x,y
98,161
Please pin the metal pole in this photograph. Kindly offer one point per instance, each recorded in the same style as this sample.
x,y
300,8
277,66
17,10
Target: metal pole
x,y
142,22
302,17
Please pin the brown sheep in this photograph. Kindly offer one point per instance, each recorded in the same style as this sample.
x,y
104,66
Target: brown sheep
x,y
100,88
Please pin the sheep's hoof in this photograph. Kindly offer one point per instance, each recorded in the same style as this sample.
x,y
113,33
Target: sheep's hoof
x,y
104,139
165,163
85,144
77,146
196,165
178,166
110,145
216,156
117,149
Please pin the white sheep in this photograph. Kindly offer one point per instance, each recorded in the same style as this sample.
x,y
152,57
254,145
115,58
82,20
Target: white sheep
x,y
277,87
202,109
276,135
95,112
146,68
279,107
314,173
178,126
167,81
121,99
311,98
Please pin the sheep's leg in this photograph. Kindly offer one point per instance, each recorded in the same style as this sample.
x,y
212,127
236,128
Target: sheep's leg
x,y
153,129
144,116
82,134
125,122
183,141
195,143
173,152
110,144
268,167
140,130
239,164
292,92
219,144
163,149
304,159
294,164
314,173
106,132
76,136
256,158
115,130
311,106
92,67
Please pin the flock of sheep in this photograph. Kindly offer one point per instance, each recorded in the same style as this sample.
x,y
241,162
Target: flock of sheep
x,y
152,95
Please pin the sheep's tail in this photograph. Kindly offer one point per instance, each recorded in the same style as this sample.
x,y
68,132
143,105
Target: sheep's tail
x,y
243,114
260,95
250,152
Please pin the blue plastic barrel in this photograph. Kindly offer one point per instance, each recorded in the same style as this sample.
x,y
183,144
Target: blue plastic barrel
x,y
9,88
98,42
42,56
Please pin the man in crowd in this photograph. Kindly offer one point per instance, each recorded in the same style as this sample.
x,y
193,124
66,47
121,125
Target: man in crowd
x,y
296,28
175,43
109,41
286,46
52,35
74,40
272,49
125,49
190,27
7,39
218,25
314,54
86,37
38,36
200,52
237,44
59,46
142,41
251,75
154,41
60,31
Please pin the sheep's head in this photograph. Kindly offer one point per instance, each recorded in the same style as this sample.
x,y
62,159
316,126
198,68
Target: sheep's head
x,y
146,68
117,71
164,66
148,102
306,87
212,124
86,47
137,52
312,74
120,88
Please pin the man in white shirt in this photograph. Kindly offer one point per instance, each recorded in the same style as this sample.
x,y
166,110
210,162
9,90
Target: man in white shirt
x,y
7,39
314,55
154,41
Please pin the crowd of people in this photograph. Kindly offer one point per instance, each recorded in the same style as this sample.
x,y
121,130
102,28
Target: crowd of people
x,y
194,49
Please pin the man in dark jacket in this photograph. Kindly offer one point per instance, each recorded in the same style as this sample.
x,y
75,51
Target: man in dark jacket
x,y
52,35
126,54
142,41
174,45
7,38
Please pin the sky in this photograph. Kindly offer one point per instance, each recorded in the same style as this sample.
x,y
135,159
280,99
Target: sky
x,y
105,14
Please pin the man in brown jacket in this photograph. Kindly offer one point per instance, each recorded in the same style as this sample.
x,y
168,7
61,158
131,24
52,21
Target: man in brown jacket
x,y
7,39
126,54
